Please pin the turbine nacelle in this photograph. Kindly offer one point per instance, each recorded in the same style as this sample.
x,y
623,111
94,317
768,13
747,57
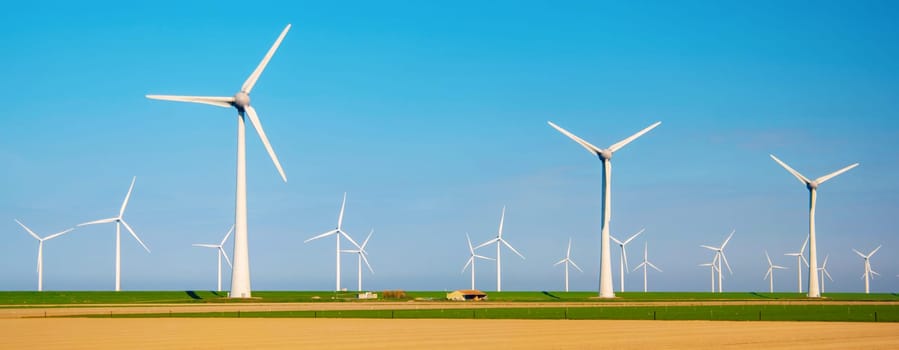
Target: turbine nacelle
x,y
241,100
811,185
604,154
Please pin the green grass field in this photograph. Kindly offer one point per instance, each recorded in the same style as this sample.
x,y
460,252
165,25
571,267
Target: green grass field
x,y
10,299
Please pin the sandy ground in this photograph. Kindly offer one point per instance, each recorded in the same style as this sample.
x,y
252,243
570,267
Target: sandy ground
x,y
76,333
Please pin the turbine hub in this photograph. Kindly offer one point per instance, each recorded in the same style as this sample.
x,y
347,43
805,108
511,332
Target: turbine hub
x,y
241,99
812,185
605,154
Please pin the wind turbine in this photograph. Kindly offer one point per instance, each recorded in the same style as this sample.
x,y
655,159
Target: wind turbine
x,y
622,262
824,272
240,274
119,222
471,259
646,264
868,271
605,155
337,233
719,255
800,258
714,268
567,260
812,186
361,253
40,251
770,273
221,251
499,242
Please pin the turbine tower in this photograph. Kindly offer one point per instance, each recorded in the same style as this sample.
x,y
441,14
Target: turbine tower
x,y
567,260
824,272
337,233
119,222
471,260
221,252
240,274
719,255
40,251
646,264
622,262
812,185
869,272
770,273
605,155
499,242
361,256
800,258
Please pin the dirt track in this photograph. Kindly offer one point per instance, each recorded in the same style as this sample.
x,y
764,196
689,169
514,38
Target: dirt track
x,y
74,333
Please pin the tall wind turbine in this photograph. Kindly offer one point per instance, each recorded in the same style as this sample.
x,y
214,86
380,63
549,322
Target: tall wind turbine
x,y
605,155
337,233
499,242
221,252
361,256
869,273
770,273
119,222
622,262
646,264
240,274
471,259
40,251
812,185
800,258
719,255
567,260
824,272
714,267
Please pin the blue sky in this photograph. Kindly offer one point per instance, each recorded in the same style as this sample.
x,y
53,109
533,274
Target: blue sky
x,y
433,117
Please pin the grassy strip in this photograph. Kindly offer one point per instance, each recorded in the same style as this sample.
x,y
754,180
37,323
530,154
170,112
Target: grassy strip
x,y
187,297
841,313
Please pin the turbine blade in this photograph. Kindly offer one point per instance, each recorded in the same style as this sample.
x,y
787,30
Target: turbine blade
x,y
804,244
502,219
874,251
653,266
101,221
859,253
470,260
58,234
251,81
206,245
340,216
769,258
470,248
135,235
724,258
824,264
559,262
365,260
824,178
483,257
634,236
804,261
486,243
624,255
875,273
728,239
568,252
633,137
575,265
326,234
226,257
127,196
638,266
209,100
30,232
827,274
795,173
343,233
227,235
767,273
709,247
593,149
365,242
251,112
779,267
615,240
510,247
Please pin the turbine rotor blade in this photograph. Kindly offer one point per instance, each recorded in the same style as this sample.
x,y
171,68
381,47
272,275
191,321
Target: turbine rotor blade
x,y
827,274
804,261
470,248
624,255
502,219
795,173
874,251
709,247
251,112
769,258
206,245
615,240
767,273
225,102
559,262
575,265
634,236
824,178
593,149
343,233
365,242
58,234
365,260
127,196
728,239
326,234
470,260
859,253
135,235
340,216
225,254
483,257
251,80
633,137
30,232
227,235
653,266
724,258
101,221
510,247
804,244
487,243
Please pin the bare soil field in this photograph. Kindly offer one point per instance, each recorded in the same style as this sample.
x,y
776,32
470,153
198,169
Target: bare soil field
x,y
78,333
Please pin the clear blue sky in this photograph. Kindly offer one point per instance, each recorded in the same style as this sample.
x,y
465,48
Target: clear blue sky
x,y
432,117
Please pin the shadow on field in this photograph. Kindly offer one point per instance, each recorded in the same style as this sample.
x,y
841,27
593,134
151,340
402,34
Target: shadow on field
x,y
550,295
763,296
192,295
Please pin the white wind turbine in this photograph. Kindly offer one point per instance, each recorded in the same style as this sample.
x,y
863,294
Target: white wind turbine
x,y
40,251
714,267
646,264
719,255
119,222
605,155
240,274
499,242
812,185
622,262
869,272
361,256
471,260
800,258
221,252
824,272
337,233
567,260
770,273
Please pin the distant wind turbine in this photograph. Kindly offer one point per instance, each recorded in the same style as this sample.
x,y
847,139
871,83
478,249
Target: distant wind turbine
x,y
714,267
119,222
770,273
337,232
240,274
800,258
471,260
719,255
567,260
824,272
361,257
605,155
499,242
40,251
646,264
622,262
221,252
812,186
869,272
